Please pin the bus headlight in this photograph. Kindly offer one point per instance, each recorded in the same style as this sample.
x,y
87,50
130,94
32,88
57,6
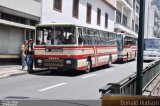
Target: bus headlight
x,y
68,62
39,61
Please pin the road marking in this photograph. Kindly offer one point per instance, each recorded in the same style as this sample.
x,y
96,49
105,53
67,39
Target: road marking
x,y
89,76
132,63
109,70
122,66
54,86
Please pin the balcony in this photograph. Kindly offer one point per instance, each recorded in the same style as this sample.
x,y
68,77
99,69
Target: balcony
x,y
129,2
122,28
126,4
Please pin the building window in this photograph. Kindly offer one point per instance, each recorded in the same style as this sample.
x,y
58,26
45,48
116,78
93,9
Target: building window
x,y
106,20
88,17
13,18
118,16
75,8
134,4
58,5
98,16
18,19
136,28
133,25
125,20
33,23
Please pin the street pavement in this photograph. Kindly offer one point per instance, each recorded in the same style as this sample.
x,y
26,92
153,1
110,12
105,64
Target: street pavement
x,y
11,70
64,86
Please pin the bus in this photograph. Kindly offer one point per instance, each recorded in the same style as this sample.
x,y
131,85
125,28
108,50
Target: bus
x,y
127,47
72,47
151,49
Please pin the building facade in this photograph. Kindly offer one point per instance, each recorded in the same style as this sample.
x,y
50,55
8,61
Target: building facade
x,y
17,23
152,18
99,14
127,16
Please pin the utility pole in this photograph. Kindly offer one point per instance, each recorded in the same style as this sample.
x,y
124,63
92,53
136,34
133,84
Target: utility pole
x,y
139,83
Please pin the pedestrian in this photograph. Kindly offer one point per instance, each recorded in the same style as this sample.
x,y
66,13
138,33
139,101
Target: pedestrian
x,y
23,53
29,57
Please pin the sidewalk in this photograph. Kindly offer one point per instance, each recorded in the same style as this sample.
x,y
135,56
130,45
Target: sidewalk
x,y
154,88
11,70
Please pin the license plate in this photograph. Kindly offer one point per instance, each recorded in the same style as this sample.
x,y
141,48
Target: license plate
x,y
54,68
54,50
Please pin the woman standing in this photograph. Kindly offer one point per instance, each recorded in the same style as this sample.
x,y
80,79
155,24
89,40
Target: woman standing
x,y
23,53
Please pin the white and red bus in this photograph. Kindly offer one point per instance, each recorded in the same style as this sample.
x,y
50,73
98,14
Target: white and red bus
x,y
127,47
73,47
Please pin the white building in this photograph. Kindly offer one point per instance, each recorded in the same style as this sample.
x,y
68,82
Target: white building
x,y
99,14
17,21
127,16
152,19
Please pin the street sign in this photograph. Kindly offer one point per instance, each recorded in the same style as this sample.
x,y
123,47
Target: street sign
x,y
117,100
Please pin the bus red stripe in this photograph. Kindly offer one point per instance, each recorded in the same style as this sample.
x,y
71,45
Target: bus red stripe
x,y
72,56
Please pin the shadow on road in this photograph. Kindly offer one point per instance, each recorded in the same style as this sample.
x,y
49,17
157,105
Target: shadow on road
x,y
69,73
121,62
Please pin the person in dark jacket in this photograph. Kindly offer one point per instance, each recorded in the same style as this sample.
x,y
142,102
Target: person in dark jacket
x,y
29,57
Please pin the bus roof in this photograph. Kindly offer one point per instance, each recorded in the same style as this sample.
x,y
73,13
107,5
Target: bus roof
x,y
151,38
67,24
55,24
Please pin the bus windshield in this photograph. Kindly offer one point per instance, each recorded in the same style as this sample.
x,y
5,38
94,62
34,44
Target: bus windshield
x,y
56,35
152,44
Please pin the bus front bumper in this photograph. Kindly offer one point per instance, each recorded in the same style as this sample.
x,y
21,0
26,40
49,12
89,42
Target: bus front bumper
x,y
58,64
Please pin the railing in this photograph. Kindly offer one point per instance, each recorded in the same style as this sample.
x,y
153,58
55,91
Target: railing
x,y
124,25
127,86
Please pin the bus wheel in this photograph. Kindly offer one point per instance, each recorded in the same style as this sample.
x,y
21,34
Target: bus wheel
x,y
126,59
88,66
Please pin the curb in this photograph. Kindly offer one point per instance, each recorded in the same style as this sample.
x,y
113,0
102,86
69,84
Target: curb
x,y
12,74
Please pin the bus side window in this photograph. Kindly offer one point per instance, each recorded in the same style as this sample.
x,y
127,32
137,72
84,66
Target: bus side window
x,y
80,37
85,41
89,40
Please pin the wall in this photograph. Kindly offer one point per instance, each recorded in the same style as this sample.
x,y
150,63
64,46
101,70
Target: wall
x,y
10,40
112,2
49,15
27,6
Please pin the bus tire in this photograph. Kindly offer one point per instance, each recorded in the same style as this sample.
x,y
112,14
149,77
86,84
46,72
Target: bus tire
x,y
88,66
52,71
126,59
